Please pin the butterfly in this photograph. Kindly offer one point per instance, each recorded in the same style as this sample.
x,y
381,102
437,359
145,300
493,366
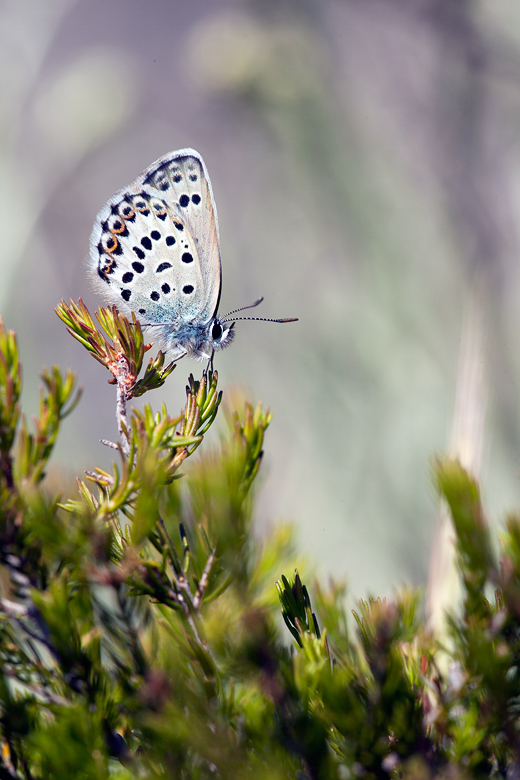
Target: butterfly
x,y
155,250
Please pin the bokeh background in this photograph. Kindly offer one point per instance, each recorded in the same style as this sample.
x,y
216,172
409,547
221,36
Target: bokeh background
x,y
365,160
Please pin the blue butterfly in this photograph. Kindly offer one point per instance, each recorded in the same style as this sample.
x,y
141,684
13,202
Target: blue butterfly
x,y
155,250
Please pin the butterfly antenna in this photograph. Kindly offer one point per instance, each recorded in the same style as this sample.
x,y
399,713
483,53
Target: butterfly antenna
x,y
228,318
261,319
243,308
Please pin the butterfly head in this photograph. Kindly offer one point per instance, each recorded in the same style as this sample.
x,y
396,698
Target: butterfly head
x,y
220,332
220,335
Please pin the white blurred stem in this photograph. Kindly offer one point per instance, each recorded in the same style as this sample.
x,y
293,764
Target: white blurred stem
x,y
466,442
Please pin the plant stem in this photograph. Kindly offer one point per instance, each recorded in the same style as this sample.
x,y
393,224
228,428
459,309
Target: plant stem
x,y
123,380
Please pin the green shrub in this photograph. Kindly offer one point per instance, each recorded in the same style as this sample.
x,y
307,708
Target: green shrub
x,y
139,629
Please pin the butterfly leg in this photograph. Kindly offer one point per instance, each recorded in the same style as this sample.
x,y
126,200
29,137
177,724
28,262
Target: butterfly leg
x,y
209,365
176,353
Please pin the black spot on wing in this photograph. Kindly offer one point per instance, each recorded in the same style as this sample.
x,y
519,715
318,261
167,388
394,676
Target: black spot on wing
x,y
128,213
154,295
107,265
125,294
113,246
188,289
118,226
162,267
138,267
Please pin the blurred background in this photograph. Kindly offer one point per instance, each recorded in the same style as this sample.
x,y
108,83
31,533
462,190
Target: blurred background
x,y
365,160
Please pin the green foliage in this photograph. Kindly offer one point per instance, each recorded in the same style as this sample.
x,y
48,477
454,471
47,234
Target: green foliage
x,y
139,625
125,337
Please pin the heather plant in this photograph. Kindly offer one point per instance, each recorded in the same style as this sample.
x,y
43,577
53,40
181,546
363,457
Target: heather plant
x,y
140,630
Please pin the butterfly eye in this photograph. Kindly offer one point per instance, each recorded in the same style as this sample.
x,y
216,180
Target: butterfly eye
x,y
216,331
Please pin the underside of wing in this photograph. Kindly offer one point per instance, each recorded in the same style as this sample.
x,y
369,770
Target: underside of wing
x,y
145,259
181,179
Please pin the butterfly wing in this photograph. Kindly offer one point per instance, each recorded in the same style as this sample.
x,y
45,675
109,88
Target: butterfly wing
x,y
183,179
154,248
